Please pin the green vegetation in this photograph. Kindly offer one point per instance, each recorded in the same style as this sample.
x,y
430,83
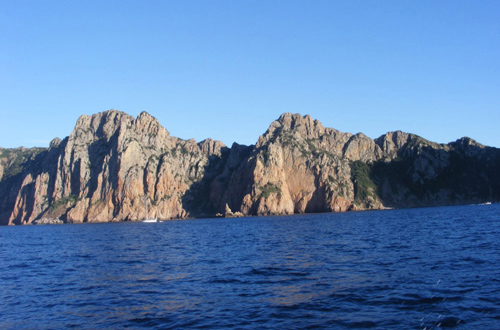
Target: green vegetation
x,y
307,149
393,173
179,148
184,151
287,139
266,155
269,189
16,160
364,187
455,175
166,197
71,200
311,146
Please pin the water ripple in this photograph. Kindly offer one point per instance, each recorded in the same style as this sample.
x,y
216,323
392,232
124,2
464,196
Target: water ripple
x,y
402,269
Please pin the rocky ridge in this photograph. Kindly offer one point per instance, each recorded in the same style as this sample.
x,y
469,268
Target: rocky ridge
x,y
114,167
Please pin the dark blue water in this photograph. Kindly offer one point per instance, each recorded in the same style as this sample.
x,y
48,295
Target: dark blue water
x,y
399,269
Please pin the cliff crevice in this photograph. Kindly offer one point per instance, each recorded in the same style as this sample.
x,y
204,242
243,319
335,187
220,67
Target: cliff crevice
x,y
114,167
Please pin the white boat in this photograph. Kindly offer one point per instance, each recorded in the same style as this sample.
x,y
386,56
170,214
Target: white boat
x,y
147,214
151,220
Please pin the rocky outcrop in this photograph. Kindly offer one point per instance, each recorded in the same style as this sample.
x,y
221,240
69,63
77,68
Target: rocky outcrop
x,y
299,166
114,167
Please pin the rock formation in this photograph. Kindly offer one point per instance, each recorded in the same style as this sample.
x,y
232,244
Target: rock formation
x,y
114,167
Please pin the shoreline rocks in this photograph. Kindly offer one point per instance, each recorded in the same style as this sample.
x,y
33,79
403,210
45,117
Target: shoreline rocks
x,y
114,167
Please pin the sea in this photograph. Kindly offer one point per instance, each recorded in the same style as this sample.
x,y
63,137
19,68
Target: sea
x,y
426,268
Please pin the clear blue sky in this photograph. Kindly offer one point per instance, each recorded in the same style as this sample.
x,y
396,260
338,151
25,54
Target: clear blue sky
x,y
227,69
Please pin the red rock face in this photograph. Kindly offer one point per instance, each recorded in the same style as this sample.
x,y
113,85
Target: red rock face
x,y
300,166
114,167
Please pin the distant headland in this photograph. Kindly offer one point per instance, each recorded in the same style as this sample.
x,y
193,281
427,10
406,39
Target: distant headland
x,y
114,167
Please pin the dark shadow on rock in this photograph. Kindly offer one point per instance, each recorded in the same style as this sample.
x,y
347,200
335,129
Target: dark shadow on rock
x,y
470,175
196,200
317,203
208,196
98,151
11,187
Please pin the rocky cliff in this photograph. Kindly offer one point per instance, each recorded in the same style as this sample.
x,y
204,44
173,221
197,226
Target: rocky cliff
x,y
114,167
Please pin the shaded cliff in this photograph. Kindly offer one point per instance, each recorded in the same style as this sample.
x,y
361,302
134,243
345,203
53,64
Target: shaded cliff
x,y
114,167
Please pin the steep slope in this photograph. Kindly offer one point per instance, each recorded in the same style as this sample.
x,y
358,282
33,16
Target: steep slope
x,y
13,164
299,166
12,161
114,167
422,173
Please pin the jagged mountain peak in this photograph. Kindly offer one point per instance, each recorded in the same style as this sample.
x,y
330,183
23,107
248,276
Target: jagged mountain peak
x,y
100,125
303,126
117,125
296,120
145,120
291,119
115,167
106,116
311,136
467,142
211,147
114,118
55,142
396,142
469,147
